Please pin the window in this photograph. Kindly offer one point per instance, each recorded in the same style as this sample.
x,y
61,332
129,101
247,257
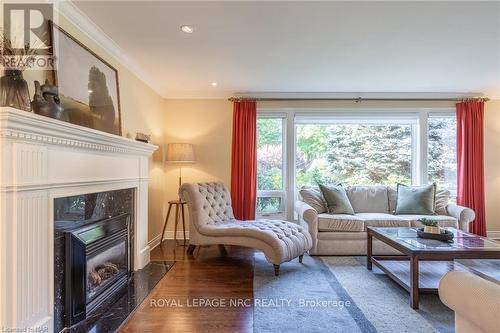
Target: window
x,y
271,195
354,153
442,152
353,148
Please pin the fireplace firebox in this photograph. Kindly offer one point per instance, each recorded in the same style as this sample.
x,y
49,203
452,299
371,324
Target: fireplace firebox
x,y
97,265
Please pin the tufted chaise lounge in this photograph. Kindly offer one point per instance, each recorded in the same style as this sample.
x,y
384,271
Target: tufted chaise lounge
x,y
212,222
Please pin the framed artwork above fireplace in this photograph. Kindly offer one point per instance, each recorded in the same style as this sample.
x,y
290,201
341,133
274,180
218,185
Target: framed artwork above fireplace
x,y
88,85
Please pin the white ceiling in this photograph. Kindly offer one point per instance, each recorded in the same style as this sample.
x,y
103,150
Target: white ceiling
x,y
307,46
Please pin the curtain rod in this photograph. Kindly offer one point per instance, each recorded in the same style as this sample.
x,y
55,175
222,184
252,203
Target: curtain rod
x,y
356,99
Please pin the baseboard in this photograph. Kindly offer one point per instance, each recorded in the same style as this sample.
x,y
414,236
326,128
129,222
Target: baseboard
x,y
493,234
154,242
168,235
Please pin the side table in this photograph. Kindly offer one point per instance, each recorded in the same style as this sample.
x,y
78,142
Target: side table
x,y
178,213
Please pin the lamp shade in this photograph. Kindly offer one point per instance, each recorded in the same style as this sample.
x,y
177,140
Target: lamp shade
x,y
180,153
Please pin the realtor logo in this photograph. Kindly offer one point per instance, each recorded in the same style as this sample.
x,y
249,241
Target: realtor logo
x,y
26,36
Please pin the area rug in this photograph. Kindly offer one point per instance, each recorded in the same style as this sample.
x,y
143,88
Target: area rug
x,y
338,294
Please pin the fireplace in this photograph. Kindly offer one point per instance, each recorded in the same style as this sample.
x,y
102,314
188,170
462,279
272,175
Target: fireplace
x,y
97,265
93,243
41,161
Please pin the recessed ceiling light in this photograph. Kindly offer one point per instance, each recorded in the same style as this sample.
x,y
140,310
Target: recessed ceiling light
x,y
90,91
214,84
187,29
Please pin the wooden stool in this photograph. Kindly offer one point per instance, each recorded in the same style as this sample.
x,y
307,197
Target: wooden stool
x,y
177,203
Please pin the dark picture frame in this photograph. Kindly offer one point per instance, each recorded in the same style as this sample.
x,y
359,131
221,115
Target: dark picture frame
x,y
88,85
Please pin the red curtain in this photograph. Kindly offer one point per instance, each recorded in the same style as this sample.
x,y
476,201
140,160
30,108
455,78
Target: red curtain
x,y
470,158
244,160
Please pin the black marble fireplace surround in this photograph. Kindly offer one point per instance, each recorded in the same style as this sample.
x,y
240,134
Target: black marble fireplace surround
x,y
92,213
81,213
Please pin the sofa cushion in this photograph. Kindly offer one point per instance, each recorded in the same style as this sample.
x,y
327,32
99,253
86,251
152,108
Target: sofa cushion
x,y
314,198
339,222
392,195
442,200
336,199
443,220
368,199
419,200
382,220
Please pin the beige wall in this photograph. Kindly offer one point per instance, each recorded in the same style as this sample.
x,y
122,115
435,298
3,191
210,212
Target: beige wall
x,y
354,105
492,164
207,124
142,110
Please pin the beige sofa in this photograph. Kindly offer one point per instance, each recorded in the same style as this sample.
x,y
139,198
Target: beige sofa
x,y
373,206
476,302
212,222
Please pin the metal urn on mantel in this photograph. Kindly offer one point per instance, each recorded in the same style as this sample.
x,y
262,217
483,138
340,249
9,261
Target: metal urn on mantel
x,y
46,100
14,90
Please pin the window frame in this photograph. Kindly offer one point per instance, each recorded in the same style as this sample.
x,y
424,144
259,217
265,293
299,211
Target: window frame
x,y
419,116
449,115
284,206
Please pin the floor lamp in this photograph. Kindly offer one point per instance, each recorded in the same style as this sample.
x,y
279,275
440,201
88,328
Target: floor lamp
x,y
178,153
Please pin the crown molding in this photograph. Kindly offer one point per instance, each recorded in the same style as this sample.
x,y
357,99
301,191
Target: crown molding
x,y
81,21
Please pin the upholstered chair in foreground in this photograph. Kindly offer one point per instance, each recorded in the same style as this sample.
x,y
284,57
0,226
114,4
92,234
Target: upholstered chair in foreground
x,y
212,222
475,300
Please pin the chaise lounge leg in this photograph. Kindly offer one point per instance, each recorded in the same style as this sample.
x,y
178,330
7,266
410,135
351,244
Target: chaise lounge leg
x,y
276,270
190,249
222,250
300,258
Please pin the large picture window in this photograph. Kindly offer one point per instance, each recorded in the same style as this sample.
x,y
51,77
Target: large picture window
x,y
353,148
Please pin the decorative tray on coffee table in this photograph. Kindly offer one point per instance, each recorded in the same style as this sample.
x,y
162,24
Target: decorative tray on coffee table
x,y
445,237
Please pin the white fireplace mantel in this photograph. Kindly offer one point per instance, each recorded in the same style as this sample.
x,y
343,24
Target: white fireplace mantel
x,y
43,159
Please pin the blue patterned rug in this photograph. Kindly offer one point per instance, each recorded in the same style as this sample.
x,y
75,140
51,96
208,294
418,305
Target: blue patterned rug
x,y
338,294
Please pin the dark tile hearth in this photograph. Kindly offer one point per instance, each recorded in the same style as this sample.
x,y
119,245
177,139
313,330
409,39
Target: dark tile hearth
x,y
113,314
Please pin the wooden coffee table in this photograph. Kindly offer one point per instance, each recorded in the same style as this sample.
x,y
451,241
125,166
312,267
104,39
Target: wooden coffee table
x,y
423,261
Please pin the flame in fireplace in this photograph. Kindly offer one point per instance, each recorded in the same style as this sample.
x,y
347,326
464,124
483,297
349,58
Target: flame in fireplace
x,y
102,273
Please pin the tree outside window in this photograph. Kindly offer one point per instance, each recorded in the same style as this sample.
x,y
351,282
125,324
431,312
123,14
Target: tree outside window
x,y
269,164
353,154
442,152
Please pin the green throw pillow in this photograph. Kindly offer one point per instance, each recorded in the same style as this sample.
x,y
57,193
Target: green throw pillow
x,y
336,199
418,200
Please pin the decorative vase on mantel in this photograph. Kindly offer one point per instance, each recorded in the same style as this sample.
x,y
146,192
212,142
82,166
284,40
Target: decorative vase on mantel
x,y
14,90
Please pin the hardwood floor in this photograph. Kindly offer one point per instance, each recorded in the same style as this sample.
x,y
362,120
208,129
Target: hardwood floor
x,y
209,274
